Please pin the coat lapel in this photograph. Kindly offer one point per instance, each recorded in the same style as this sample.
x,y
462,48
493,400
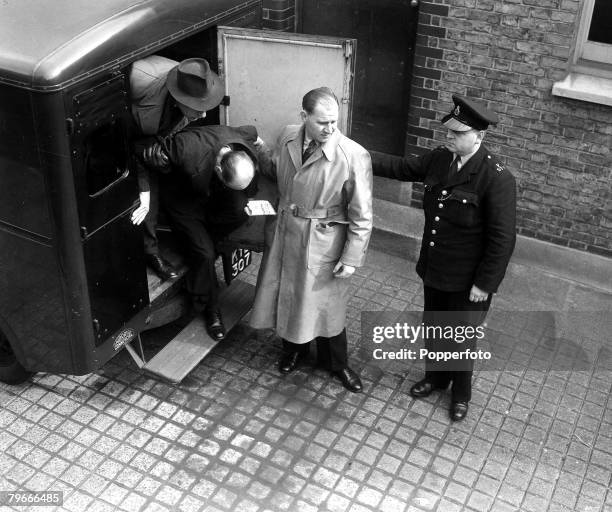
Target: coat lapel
x,y
295,148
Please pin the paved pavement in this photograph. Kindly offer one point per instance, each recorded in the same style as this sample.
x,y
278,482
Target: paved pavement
x,y
237,436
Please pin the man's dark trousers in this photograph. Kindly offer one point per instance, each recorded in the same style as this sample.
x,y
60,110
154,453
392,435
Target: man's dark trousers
x,y
332,352
452,309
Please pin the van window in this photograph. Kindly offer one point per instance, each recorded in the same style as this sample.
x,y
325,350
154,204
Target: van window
x,y
106,157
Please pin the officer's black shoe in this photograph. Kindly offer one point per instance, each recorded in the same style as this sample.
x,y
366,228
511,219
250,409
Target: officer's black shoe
x,y
423,388
458,411
161,267
214,324
350,380
288,362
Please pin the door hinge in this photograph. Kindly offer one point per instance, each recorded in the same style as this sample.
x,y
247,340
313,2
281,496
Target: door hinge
x,y
348,49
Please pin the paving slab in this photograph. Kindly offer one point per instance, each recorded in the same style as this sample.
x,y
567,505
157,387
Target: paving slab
x,y
236,435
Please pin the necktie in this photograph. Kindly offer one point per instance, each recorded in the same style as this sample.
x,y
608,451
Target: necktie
x,y
309,150
454,167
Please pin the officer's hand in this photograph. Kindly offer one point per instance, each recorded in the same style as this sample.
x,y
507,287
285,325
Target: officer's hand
x,y
478,295
155,156
139,214
341,270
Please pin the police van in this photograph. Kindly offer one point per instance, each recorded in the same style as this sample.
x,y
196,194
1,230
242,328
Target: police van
x,y
74,287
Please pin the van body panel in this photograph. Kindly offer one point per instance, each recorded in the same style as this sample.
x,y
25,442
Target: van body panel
x,y
91,36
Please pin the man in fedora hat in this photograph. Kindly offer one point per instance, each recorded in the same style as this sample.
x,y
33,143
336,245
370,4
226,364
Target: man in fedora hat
x,y
470,208
166,95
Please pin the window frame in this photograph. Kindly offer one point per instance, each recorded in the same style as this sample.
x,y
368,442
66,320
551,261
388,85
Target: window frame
x,y
589,76
590,54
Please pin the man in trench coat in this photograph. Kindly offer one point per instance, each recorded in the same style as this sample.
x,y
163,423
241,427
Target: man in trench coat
x,y
322,232
470,210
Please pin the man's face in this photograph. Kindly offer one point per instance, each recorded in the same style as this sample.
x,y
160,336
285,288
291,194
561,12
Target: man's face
x,y
463,143
190,113
322,122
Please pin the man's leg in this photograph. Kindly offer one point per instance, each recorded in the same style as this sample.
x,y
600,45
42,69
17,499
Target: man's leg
x,y
292,353
201,282
435,376
151,247
466,313
332,354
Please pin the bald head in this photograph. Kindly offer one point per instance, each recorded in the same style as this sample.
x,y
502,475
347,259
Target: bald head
x,y
236,170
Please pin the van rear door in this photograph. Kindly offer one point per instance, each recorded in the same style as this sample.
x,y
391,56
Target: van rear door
x,y
106,188
267,73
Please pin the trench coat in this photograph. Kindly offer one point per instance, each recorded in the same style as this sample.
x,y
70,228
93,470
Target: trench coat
x,y
324,216
470,217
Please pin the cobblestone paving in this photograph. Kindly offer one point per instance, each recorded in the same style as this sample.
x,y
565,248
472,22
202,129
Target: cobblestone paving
x,y
237,436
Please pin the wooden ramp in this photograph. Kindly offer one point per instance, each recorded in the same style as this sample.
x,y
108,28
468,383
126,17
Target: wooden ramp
x,y
183,353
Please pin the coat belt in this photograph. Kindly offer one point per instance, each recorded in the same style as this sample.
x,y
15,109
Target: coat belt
x,y
314,213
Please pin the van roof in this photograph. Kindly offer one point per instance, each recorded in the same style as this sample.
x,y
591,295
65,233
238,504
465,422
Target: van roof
x,y
48,45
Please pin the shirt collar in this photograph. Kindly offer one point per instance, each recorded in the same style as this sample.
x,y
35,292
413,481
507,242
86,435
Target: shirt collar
x,y
464,159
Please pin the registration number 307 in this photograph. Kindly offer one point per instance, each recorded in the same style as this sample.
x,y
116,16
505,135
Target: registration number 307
x,y
241,259
234,262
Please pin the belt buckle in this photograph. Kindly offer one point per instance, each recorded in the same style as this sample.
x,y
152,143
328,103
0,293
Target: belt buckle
x,y
294,210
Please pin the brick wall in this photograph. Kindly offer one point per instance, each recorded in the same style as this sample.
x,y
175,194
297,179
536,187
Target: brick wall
x,y
509,53
279,15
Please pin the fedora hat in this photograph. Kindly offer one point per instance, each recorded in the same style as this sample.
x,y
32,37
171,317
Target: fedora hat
x,y
193,84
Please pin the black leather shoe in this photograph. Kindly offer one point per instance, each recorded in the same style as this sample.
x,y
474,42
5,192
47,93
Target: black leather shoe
x,y
288,362
161,267
458,411
423,388
350,380
214,324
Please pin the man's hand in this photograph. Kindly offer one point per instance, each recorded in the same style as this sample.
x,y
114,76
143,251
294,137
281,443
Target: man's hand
x,y
478,295
155,156
139,214
341,270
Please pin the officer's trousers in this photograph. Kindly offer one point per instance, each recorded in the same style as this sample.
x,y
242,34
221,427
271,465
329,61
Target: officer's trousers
x,y
449,310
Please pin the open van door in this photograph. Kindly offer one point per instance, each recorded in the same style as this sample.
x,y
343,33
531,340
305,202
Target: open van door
x,y
266,74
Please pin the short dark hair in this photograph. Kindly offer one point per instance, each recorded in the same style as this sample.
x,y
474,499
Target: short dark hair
x,y
229,162
311,98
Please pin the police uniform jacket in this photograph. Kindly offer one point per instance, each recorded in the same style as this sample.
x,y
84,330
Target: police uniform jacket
x,y
470,217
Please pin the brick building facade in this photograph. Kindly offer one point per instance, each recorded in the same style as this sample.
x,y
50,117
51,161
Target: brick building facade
x,y
510,54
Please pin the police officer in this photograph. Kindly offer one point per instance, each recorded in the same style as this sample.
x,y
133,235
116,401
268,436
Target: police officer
x,y
470,208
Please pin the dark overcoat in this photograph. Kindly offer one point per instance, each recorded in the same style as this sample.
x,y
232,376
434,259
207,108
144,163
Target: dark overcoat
x,y
470,217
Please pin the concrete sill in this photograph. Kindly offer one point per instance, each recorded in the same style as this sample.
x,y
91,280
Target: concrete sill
x,y
593,89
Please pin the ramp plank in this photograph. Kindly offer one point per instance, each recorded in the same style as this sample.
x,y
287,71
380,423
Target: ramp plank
x,y
181,355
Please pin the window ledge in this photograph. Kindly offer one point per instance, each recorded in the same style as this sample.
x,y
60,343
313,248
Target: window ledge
x,y
583,87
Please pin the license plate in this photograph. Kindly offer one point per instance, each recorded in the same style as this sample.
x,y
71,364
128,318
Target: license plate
x,y
235,263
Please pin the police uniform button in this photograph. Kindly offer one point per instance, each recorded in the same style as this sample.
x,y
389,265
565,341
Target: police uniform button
x,y
436,218
441,205
444,192
431,244
464,201
433,231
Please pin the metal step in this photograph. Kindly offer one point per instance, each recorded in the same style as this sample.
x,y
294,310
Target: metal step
x,y
182,354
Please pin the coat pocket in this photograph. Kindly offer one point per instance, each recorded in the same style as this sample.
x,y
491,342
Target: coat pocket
x,y
463,208
325,242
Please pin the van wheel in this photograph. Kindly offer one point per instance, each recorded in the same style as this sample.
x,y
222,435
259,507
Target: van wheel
x,y
11,371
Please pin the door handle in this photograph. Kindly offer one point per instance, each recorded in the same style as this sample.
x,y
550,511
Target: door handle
x,y
124,175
